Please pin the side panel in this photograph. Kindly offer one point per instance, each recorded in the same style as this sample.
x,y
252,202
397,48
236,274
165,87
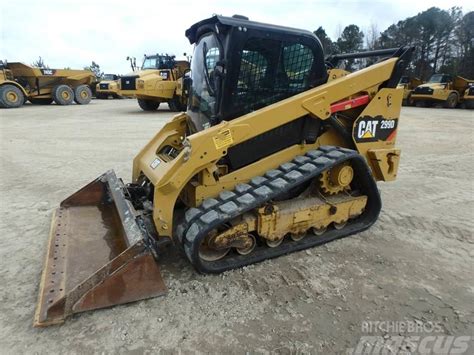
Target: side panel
x,y
374,133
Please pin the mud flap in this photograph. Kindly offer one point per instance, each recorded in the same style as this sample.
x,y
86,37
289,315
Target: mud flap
x,y
97,256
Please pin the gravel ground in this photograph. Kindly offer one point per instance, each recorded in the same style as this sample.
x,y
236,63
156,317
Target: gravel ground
x,y
414,265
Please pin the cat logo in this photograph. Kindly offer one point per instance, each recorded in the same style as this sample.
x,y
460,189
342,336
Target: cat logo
x,y
372,129
367,129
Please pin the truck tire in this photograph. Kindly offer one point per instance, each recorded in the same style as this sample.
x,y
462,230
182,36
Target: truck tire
x,y
176,105
82,95
148,105
451,101
11,96
41,101
63,95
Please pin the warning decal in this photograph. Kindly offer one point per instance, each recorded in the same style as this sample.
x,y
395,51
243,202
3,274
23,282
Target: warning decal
x,y
372,129
223,139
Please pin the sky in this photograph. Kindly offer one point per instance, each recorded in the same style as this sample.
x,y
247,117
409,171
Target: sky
x,y
75,33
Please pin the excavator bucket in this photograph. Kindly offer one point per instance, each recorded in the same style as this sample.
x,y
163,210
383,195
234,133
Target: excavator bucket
x,y
97,256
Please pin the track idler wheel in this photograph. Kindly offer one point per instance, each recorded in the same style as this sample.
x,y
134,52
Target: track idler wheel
x,y
273,243
340,225
208,252
247,250
297,236
318,231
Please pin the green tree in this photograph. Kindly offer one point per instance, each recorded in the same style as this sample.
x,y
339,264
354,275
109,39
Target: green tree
x,y
329,46
39,63
351,40
464,40
95,68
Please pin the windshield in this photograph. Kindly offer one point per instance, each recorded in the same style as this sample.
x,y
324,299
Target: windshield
x,y
202,103
150,63
438,78
109,77
158,62
404,80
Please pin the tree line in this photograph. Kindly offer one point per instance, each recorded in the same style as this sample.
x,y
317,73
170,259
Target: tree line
x,y
444,41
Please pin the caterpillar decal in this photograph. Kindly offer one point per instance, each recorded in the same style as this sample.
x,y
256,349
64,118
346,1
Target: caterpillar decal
x,y
48,71
373,129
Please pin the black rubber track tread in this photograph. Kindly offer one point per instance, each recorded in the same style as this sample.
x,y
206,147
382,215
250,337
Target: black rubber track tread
x,y
245,197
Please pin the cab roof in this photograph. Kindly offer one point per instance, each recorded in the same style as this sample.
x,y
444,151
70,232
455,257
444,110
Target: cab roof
x,y
193,33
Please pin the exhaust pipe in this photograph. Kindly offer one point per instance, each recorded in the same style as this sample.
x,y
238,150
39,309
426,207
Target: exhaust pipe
x,y
97,254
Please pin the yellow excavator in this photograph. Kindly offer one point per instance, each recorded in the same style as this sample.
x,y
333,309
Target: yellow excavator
x,y
277,152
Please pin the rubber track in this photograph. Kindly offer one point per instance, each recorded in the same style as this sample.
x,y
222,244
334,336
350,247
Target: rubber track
x,y
213,212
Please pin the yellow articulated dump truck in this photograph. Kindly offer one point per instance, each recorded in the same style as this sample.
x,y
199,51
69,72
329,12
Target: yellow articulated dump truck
x,y
20,82
441,89
468,98
276,153
108,86
408,84
160,79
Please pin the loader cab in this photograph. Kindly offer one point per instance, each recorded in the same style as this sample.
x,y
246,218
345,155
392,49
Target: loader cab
x,y
240,66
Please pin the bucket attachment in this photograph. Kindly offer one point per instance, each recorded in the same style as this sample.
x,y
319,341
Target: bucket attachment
x,y
97,256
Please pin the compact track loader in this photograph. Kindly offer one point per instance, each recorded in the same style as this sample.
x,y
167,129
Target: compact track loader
x,y
277,152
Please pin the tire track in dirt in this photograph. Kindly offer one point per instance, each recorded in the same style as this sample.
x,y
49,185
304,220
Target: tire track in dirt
x,y
397,220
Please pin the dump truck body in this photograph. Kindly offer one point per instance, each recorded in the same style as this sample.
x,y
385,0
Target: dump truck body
x,y
108,86
20,82
442,89
159,80
274,154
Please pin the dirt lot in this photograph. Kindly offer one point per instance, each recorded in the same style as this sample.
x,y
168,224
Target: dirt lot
x,y
415,264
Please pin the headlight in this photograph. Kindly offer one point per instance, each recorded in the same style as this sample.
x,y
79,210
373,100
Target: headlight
x,y
140,84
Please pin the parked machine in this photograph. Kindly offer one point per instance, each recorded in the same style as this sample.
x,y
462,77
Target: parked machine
x,y
107,87
408,84
160,79
20,82
468,98
441,89
277,152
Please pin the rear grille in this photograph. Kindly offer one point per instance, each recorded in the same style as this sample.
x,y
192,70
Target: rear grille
x,y
104,86
424,91
128,82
